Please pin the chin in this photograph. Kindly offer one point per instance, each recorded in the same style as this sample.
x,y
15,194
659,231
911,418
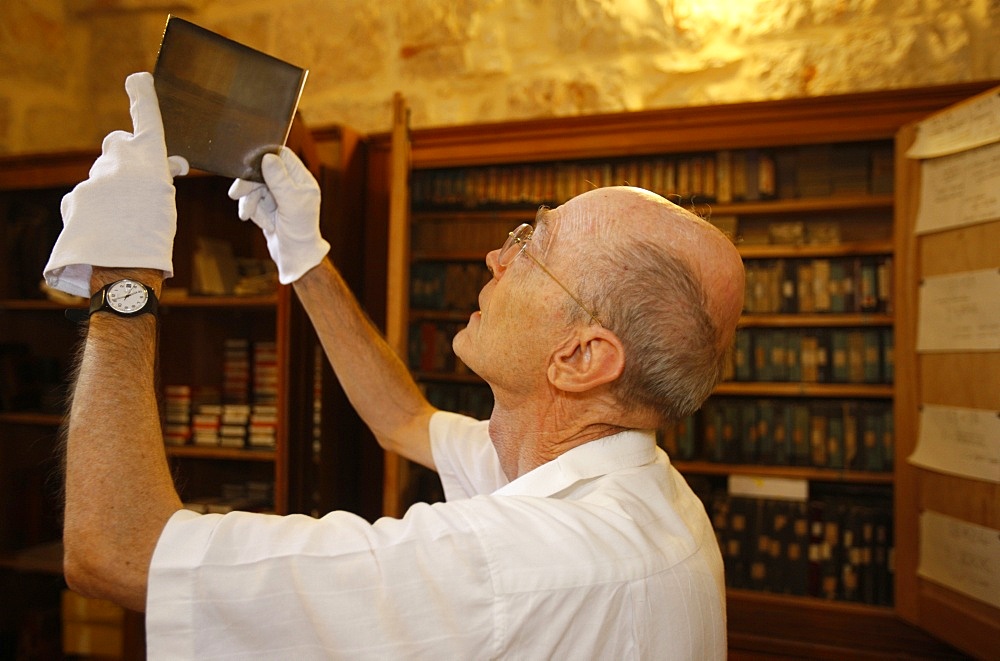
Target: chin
x,y
459,342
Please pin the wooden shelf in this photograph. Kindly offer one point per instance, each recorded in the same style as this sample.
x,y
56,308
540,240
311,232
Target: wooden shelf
x,y
806,205
514,215
765,625
32,418
187,301
40,559
233,454
764,389
790,472
776,251
828,605
817,320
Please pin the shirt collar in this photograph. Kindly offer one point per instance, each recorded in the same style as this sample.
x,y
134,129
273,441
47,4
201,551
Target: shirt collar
x,y
627,449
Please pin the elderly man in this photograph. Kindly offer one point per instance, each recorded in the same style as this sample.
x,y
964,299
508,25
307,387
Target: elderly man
x,y
566,532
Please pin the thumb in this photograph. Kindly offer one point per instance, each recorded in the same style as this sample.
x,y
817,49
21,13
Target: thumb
x,y
296,169
178,166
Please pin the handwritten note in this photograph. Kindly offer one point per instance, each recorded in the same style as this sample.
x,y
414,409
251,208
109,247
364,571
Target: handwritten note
x,y
960,312
959,441
959,190
960,555
967,125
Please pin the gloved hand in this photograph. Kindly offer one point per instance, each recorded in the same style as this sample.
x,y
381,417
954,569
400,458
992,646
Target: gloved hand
x,y
124,214
287,209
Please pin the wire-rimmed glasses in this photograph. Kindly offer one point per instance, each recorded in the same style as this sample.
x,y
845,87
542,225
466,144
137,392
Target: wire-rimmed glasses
x,y
516,244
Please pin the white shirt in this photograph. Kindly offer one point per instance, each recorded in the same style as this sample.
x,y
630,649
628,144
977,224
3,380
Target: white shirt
x,y
603,553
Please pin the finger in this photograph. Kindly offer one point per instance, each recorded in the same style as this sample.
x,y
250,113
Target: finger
x,y
258,206
144,107
273,169
178,166
247,206
241,187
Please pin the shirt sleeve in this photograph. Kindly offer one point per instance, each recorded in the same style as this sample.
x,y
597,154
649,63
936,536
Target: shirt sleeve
x,y
255,586
465,458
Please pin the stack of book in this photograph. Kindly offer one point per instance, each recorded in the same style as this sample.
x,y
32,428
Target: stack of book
x,y
236,371
177,415
208,417
265,372
263,425
233,425
205,424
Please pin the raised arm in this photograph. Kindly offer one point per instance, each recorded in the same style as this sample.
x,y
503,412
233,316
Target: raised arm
x,y
378,384
376,381
119,223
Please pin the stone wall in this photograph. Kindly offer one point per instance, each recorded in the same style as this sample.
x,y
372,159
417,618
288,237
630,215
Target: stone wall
x,y
62,62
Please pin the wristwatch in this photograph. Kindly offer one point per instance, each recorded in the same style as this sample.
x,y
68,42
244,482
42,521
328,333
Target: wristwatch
x,y
125,298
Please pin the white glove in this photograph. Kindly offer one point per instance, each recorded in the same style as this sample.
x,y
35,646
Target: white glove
x,y
287,209
124,214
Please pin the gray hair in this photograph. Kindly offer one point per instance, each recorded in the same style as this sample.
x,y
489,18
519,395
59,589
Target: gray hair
x,y
649,297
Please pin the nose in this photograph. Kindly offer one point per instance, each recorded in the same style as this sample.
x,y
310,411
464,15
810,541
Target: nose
x,y
493,263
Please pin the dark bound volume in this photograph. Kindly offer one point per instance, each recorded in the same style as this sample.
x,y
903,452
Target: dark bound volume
x,y
224,105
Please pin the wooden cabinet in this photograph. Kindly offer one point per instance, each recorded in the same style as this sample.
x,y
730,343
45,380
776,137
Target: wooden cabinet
x,y
820,199
241,349
950,376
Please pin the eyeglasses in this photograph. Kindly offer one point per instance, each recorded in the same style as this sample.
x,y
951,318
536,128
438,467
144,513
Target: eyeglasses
x,y
516,244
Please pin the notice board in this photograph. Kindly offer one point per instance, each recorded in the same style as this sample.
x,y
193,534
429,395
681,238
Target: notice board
x,y
948,368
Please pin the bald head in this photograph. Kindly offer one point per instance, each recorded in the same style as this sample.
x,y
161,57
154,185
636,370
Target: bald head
x,y
668,284
623,214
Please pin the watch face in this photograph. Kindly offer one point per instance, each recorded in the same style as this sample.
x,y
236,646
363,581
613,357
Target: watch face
x,y
127,296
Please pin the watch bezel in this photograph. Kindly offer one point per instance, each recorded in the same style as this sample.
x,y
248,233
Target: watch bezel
x,y
102,302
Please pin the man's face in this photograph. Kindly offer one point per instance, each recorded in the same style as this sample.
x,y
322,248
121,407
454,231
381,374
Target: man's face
x,y
508,340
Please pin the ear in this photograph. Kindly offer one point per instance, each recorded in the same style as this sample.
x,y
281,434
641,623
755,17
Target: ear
x,y
594,356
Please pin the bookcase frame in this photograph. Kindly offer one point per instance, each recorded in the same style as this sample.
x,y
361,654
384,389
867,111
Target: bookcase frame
x,y
759,623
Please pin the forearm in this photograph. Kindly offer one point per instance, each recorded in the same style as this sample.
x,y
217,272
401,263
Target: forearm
x,y
376,381
119,492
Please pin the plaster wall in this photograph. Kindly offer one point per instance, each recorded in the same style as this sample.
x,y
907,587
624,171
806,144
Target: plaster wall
x,y
63,62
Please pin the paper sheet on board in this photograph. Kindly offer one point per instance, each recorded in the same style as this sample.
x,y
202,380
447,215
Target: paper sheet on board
x,y
959,312
959,190
960,555
959,441
966,126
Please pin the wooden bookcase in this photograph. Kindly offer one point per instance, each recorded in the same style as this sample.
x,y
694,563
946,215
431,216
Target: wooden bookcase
x,y
313,437
440,198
